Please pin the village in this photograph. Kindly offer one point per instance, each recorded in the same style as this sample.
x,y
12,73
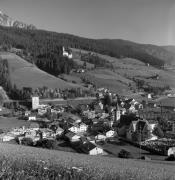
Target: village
x,y
110,125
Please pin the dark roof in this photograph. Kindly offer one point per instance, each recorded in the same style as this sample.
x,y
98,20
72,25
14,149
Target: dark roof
x,y
87,146
168,102
70,134
140,125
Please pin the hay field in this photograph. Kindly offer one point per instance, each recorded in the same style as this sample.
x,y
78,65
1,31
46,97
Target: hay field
x,y
25,74
95,167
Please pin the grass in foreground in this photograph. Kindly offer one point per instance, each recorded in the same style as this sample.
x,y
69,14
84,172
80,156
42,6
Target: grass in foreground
x,y
20,162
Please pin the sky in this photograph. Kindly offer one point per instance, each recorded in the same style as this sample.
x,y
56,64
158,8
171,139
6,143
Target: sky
x,y
142,21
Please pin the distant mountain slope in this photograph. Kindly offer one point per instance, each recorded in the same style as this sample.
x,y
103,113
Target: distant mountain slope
x,y
170,49
157,52
5,20
122,78
39,41
25,74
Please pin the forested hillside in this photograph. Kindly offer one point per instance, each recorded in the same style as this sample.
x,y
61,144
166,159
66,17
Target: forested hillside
x,y
46,46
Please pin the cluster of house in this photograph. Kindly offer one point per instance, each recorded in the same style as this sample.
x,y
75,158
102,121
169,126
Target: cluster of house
x,y
83,129
34,132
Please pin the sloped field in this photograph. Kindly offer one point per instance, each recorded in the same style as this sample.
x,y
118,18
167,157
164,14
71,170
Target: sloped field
x,y
95,167
24,74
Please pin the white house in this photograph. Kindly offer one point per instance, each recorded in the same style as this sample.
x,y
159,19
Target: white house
x,y
83,127
91,149
171,151
47,133
111,133
78,128
73,137
74,128
32,118
100,137
27,113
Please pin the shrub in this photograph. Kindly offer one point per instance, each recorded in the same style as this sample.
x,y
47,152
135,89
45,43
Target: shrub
x,y
74,82
124,154
27,142
171,157
46,143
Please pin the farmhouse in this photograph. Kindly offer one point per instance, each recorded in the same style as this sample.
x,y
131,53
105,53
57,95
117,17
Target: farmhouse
x,y
32,118
74,128
78,128
171,151
72,137
100,137
47,133
90,148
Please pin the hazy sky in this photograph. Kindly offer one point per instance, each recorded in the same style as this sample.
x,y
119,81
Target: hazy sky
x,y
144,21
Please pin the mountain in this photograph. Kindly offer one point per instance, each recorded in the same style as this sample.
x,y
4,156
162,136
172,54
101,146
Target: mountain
x,y
40,41
7,21
170,49
128,47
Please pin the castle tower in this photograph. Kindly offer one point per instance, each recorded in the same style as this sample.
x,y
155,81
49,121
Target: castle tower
x,y
35,102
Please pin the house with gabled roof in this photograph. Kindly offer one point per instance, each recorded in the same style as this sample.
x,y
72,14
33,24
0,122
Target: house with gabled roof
x,y
78,128
100,137
74,128
90,148
72,137
59,131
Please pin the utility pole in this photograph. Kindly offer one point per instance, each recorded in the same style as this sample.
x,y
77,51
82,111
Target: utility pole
x,y
140,134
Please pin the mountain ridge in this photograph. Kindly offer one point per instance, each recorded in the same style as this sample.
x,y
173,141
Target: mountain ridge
x,y
7,21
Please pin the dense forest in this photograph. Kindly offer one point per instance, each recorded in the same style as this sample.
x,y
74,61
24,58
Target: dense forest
x,y
96,60
26,92
5,74
42,45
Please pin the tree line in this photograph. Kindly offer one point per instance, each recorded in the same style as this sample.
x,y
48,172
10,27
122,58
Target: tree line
x,y
39,43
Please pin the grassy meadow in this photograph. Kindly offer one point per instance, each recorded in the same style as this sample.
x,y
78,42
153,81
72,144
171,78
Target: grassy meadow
x,y
25,74
125,69
21,162
7,123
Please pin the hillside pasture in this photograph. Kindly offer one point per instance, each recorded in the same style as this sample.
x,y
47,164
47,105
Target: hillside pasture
x,y
130,68
94,167
7,123
108,79
25,74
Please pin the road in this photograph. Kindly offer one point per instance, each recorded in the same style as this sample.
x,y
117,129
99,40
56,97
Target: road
x,y
54,100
